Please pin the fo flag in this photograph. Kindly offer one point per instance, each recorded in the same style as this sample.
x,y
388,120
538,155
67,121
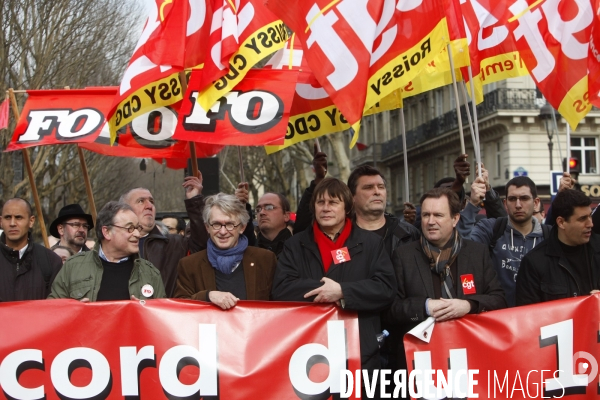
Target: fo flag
x,y
255,113
361,51
51,117
553,39
594,58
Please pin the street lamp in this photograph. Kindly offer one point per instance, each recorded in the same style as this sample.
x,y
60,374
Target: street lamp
x,y
546,115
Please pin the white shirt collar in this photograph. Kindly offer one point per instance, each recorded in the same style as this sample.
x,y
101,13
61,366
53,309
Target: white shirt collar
x,y
22,251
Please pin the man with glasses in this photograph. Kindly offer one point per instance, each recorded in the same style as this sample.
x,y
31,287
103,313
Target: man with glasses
x,y
228,270
273,214
71,227
113,270
510,238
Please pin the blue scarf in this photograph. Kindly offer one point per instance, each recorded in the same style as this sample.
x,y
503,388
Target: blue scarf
x,y
225,260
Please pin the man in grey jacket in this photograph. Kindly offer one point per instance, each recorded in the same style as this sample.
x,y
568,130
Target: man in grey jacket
x,y
510,238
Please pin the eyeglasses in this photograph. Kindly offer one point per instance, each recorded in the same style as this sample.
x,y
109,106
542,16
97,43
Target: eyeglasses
x,y
267,207
522,199
229,226
77,225
129,228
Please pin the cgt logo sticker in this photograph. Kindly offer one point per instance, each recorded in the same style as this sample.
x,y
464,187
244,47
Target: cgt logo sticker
x,y
468,284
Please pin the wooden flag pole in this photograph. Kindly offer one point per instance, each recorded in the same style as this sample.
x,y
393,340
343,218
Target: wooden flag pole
x,y
403,131
34,192
193,156
88,185
457,100
476,147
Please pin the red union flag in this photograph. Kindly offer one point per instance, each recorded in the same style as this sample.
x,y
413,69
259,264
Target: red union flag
x,y
492,48
553,39
255,113
177,32
242,33
175,349
594,57
361,51
51,117
546,350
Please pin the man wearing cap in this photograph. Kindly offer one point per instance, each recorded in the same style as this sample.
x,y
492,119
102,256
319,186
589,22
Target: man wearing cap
x,y
113,270
71,227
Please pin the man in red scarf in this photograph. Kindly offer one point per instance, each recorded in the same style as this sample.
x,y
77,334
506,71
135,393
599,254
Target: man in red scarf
x,y
335,261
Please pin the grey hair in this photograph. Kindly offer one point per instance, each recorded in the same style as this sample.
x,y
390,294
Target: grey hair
x,y
125,196
106,216
228,204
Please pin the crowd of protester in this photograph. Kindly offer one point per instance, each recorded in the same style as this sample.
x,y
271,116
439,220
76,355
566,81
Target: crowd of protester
x,y
444,259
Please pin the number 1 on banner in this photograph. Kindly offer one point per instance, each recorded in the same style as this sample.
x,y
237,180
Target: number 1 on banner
x,y
561,334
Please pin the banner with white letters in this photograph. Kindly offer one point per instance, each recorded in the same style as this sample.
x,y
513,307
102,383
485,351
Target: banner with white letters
x,y
175,349
547,350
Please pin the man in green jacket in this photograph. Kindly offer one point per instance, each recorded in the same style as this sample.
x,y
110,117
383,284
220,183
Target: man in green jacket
x,y
113,270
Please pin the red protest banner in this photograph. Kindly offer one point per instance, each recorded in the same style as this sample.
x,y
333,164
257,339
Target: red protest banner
x,y
254,114
539,351
78,116
174,349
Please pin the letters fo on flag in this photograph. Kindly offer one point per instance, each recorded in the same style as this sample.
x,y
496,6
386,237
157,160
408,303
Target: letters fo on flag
x,y
51,117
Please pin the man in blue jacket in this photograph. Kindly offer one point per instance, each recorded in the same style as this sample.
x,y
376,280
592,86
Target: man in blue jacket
x,y
510,238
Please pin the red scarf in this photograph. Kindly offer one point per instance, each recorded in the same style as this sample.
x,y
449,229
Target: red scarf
x,y
326,245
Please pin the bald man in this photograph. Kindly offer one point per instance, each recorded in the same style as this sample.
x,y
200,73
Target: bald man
x,y
26,269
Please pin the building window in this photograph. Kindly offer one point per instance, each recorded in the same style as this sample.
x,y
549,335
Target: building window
x,y
586,150
439,102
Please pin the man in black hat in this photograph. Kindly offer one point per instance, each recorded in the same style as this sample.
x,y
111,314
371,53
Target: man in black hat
x,y
71,227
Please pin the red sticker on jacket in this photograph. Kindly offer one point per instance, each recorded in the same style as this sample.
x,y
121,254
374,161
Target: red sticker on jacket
x,y
468,284
340,255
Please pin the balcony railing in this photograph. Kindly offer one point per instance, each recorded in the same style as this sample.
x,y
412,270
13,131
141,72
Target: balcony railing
x,y
499,99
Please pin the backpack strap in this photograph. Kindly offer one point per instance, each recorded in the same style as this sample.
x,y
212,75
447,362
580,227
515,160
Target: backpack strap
x,y
546,231
498,231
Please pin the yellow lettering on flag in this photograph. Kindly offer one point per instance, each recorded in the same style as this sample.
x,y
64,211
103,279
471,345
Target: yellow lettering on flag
x,y
251,51
402,69
576,104
497,68
161,93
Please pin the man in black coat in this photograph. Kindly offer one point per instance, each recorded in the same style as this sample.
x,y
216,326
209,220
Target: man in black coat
x,y
443,275
567,264
361,279
26,269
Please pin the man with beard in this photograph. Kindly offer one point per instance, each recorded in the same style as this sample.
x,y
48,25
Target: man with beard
x,y
273,214
510,238
26,269
165,251
71,227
